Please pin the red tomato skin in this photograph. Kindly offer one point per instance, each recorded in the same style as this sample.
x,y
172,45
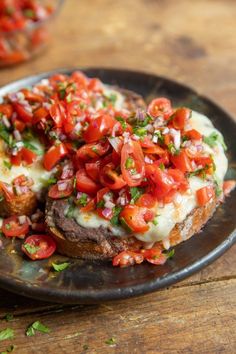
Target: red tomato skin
x,y
28,156
204,195
18,230
182,162
134,217
127,258
55,193
98,128
6,110
85,184
180,118
146,200
132,149
193,134
46,244
160,107
25,116
93,169
53,155
109,177
92,151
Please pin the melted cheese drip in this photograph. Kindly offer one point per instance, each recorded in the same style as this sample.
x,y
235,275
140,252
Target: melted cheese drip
x,y
170,215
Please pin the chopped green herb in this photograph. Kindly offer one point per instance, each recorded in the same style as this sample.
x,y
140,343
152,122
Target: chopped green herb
x,y
155,221
49,181
129,163
60,267
160,136
7,164
4,134
1,197
140,131
94,149
145,122
69,98
29,13
125,225
116,212
36,326
8,226
83,200
101,204
213,138
8,317
172,149
9,349
170,254
162,166
135,192
110,341
122,122
112,98
62,94
70,211
33,148
218,190
6,333
199,171
30,248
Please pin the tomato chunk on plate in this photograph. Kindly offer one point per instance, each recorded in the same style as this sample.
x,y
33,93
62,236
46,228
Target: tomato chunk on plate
x,y
39,246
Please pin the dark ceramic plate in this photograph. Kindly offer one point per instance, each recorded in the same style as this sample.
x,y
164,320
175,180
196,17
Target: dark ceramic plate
x,y
87,282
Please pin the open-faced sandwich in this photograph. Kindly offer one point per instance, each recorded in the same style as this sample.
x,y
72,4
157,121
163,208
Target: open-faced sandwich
x,y
90,170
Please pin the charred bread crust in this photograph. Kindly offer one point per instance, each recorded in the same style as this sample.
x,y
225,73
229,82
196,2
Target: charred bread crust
x,y
76,241
23,204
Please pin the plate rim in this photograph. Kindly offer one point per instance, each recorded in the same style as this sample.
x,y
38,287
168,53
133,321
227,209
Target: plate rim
x,y
62,295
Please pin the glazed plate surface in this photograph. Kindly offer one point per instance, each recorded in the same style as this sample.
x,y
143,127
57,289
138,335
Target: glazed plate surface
x,y
93,282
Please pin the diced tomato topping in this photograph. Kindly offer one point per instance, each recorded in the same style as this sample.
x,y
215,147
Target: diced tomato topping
x,y
98,128
193,134
39,246
85,184
160,107
133,217
132,163
182,162
110,178
54,155
14,227
127,258
205,194
180,118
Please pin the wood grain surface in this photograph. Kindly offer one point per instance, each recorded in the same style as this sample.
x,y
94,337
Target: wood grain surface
x,y
193,42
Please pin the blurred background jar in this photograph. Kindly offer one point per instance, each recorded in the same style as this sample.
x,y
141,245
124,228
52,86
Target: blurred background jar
x,y
25,28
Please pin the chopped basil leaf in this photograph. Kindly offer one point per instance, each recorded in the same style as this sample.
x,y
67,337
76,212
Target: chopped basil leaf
x,y
83,200
69,98
129,163
8,226
6,333
101,204
113,98
94,149
60,267
50,181
160,136
116,212
4,134
36,326
9,349
218,190
110,341
30,248
135,192
8,317
62,94
145,122
122,122
7,164
213,138
125,225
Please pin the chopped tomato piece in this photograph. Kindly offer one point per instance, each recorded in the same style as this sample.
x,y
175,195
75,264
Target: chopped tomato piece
x,y
62,189
110,178
19,125
146,200
160,107
6,110
54,155
133,217
39,246
180,118
90,206
28,156
14,227
92,151
31,96
182,162
93,169
127,258
57,112
23,114
205,194
154,256
132,163
98,128
85,184
193,134
39,114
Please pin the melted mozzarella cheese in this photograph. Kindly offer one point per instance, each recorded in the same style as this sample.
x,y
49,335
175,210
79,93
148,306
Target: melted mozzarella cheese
x,y
170,215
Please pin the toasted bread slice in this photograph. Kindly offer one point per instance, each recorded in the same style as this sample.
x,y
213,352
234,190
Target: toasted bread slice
x,y
23,204
76,241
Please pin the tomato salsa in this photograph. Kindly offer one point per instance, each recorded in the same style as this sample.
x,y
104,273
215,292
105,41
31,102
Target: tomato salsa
x,y
19,37
105,159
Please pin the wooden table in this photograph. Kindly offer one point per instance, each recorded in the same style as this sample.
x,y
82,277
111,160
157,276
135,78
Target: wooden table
x,y
193,42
